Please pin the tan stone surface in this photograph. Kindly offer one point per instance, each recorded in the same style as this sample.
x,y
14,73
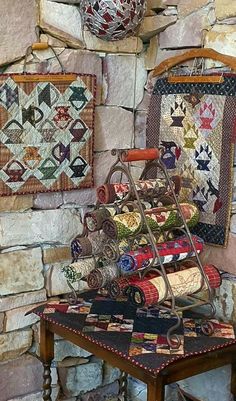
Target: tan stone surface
x,y
1,322
223,258
14,344
21,271
62,21
156,5
15,202
151,53
127,45
46,38
17,319
186,32
114,128
221,38
16,33
20,377
186,7
39,226
120,80
19,300
225,9
58,254
150,26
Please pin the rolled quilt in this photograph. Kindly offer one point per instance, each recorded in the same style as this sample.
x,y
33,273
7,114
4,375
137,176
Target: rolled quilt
x,y
118,286
160,218
189,281
101,276
87,246
109,193
76,271
170,251
94,220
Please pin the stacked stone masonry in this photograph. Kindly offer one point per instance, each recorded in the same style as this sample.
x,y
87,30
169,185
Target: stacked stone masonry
x,y
36,230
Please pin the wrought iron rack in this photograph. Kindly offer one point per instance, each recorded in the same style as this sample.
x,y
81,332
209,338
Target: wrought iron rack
x,y
111,250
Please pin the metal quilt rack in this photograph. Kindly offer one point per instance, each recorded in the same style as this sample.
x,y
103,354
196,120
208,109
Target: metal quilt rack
x,y
110,251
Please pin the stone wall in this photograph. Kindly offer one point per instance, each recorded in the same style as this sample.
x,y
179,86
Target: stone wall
x,y
35,231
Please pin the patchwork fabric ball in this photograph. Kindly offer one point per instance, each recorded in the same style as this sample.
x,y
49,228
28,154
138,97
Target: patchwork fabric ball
x,y
112,19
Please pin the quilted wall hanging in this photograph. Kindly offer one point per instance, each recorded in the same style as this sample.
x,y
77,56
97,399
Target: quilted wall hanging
x,y
46,132
195,123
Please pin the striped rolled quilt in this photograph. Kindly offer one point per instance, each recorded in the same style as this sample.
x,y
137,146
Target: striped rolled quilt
x,y
170,251
109,193
101,276
78,270
87,246
150,291
159,219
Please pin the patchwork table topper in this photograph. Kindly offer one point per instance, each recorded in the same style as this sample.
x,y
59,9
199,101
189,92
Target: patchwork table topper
x,y
195,125
136,334
46,132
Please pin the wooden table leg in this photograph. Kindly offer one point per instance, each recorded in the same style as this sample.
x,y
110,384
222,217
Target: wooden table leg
x,y
46,356
156,390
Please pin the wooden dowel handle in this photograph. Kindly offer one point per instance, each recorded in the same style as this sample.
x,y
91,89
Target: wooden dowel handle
x,y
39,46
140,154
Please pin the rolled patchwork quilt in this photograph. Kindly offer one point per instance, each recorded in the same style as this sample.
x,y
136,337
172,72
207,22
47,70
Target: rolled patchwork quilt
x,y
87,246
170,251
150,291
118,286
159,219
94,220
81,268
101,276
109,193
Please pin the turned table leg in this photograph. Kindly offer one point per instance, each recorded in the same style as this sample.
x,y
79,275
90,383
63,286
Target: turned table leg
x,y
46,356
123,385
156,390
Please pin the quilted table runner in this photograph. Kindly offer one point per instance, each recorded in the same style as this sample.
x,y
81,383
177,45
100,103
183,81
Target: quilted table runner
x,y
135,334
195,124
46,132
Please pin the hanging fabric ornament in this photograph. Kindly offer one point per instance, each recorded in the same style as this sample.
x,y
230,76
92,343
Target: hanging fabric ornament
x,y
113,19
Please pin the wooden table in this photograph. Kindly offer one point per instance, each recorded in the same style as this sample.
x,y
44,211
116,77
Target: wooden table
x,y
178,369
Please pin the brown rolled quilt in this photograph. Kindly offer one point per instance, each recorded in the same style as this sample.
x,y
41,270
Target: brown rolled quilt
x,y
152,290
159,219
94,220
101,276
109,193
87,246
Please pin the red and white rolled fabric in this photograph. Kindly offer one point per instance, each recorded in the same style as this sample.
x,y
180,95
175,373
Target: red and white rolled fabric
x,y
109,193
170,251
101,276
152,290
